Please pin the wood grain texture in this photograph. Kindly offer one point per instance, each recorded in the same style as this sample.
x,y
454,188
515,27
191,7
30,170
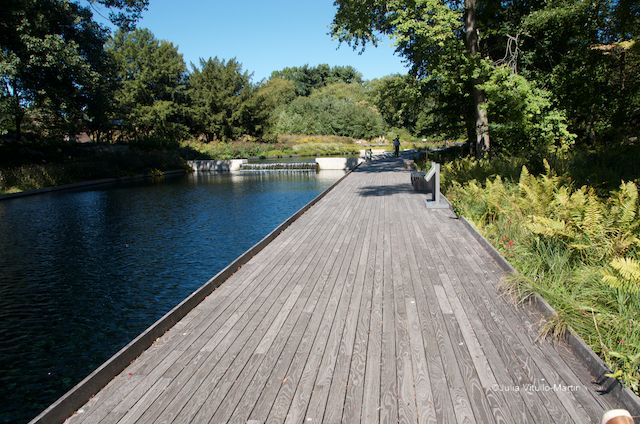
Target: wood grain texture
x,y
369,308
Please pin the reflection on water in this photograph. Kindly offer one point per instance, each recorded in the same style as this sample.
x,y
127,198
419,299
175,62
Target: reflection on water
x,y
83,273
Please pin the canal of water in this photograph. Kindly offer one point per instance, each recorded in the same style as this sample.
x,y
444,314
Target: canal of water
x,y
83,273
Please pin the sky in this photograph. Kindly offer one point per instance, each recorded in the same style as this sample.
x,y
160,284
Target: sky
x,y
263,35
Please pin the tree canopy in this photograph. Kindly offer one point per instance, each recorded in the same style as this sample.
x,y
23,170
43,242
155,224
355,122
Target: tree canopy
x,y
571,62
151,86
307,78
220,93
537,77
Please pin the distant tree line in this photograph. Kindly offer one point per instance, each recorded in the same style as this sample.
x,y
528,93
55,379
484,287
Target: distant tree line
x,y
519,78
63,74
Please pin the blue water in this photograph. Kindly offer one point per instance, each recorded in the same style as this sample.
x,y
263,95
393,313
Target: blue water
x,y
83,273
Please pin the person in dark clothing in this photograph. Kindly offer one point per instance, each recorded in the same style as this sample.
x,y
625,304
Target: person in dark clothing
x,y
396,146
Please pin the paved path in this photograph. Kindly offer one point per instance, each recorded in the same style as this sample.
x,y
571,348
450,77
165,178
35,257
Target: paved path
x,y
369,308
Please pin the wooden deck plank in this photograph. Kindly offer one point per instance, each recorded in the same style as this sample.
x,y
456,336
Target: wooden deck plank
x,y
338,389
514,365
514,402
542,405
223,414
388,376
407,409
544,364
352,409
426,408
266,377
275,400
438,308
443,406
369,308
370,412
310,398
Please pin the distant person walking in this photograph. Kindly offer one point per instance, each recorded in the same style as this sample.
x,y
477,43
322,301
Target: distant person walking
x,y
396,146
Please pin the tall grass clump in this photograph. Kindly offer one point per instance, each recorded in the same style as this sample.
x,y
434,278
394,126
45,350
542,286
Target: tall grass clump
x,y
578,250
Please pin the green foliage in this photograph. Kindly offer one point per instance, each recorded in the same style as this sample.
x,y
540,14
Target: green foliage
x,y
467,169
272,96
151,77
523,119
411,106
429,34
287,146
624,275
337,109
574,66
585,54
308,78
124,13
579,251
51,58
220,93
54,73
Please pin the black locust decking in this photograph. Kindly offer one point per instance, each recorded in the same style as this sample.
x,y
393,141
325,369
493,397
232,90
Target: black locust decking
x,y
369,308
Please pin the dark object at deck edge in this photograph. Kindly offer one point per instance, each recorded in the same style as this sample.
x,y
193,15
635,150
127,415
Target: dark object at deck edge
x,y
594,363
79,395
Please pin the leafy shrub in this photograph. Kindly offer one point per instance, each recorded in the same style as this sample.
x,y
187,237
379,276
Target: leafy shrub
x,y
466,169
522,117
330,112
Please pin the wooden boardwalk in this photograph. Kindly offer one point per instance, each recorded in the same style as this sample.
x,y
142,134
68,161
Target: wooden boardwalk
x,y
369,308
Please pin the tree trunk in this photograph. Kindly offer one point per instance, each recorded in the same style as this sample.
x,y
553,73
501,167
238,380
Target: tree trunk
x,y
482,141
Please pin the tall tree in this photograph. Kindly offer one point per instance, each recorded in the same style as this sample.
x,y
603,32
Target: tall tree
x,y
433,36
220,93
52,59
50,53
152,91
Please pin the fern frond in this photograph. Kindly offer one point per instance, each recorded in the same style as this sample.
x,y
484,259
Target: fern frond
x,y
592,223
626,204
548,227
625,275
629,268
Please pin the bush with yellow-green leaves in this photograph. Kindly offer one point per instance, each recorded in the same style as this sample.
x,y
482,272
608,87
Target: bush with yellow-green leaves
x,y
579,251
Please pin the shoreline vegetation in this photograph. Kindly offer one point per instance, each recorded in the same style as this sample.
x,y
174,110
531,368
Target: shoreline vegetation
x,y
578,246
27,167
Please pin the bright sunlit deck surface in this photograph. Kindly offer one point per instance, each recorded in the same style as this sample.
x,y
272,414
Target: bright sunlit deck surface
x,y
369,308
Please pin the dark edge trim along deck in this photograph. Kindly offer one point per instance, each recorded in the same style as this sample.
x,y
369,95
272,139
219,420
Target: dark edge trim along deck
x,y
64,407
593,362
91,183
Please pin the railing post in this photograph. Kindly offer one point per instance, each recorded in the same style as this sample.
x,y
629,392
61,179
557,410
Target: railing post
x,y
432,179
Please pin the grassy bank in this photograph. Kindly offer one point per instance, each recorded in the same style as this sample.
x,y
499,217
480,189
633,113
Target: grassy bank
x,y
24,168
578,249
286,146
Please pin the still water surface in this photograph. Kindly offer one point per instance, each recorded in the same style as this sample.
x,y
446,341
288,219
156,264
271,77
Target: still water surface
x,y
83,273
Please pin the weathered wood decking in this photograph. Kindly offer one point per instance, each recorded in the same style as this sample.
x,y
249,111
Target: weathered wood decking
x,y
369,308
